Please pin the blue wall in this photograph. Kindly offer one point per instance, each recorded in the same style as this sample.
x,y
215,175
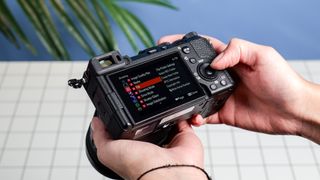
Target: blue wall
x,y
291,26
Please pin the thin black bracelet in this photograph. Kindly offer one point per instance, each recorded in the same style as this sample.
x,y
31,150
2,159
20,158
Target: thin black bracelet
x,y
174,165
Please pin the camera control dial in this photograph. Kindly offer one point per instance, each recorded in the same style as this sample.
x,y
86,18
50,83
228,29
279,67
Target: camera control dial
x,y
206,72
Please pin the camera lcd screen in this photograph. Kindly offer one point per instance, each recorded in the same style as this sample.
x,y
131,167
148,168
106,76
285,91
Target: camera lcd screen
x,y
156,86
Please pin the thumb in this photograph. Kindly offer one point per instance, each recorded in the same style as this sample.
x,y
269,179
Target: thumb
x,y
106,146
99,134
184,126
237,51
185,138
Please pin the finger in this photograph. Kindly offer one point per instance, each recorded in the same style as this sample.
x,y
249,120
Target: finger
x,y
106,150
186,137
212,119
236,51
186,142
100,136
184,126
217,44
170,38
197,120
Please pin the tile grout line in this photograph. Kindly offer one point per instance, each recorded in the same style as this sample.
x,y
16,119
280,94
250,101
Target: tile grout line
x,y
1,81
83,137
221,148
44,132
236,154
36,87
44,167
34,127
4,74
262,157
41,148
12,117
82,140
218,165
59,126
209,153
309,143
41,74
313,151
44,116
289,158
47,101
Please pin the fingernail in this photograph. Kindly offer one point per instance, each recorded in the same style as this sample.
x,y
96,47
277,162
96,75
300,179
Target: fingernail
x,y
92,125
198,120
201,122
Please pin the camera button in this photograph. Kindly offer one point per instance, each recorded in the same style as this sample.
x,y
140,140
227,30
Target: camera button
x,y
213,87
192,60
152,51
186,50
223,82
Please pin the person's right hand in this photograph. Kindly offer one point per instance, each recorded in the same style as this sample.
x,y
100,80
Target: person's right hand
x,y
270,97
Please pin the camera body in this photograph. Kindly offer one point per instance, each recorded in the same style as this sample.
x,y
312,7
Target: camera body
x,y
142,97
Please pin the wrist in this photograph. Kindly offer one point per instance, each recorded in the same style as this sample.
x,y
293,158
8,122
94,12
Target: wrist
x,y
176,172
310,113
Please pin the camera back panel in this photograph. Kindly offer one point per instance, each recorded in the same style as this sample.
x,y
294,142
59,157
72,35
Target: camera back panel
x,y
145,94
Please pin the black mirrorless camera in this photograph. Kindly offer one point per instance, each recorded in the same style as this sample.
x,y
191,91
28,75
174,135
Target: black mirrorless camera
x,y
144,96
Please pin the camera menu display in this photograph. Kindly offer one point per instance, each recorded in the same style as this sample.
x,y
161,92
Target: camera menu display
x,y
156,86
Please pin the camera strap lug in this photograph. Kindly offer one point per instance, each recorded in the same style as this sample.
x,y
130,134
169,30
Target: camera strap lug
x,y
77,83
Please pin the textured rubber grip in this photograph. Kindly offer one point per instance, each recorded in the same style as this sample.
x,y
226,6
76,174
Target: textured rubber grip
x,y
203,48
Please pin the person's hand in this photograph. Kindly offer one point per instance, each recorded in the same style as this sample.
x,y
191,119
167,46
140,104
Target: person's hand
x,y
130,159
270,97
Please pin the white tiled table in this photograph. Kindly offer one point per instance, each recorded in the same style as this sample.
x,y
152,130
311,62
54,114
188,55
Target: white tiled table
x,y
43,123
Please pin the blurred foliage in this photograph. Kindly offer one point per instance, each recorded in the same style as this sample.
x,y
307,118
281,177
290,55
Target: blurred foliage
x,y
93,16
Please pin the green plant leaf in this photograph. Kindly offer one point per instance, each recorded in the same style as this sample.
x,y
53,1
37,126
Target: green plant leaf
x,y
105,24
70,26
163,3
106,41
95,23
50,28
32,15
142,26
6,13
6,31
137,26
121,22
90,26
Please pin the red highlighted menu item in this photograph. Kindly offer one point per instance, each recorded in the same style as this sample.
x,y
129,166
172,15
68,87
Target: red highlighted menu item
x,y
148,83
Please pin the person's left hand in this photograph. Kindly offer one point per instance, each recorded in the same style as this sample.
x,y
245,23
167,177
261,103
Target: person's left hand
x,y
130,159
